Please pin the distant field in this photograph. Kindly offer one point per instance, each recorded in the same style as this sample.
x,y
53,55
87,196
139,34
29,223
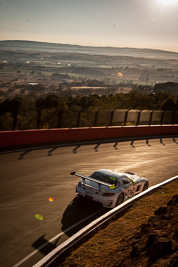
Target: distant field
x,y
22,62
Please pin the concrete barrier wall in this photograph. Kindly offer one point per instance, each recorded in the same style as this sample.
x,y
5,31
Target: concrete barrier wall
x,y
32,137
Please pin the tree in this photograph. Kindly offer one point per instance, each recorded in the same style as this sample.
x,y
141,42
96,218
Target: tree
x,y
168,104
13,106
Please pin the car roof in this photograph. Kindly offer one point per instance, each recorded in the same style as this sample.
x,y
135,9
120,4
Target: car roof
x,y
115,174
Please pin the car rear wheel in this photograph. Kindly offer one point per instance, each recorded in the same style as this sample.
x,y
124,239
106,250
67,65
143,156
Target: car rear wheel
x,y
145,187
79,195
120,199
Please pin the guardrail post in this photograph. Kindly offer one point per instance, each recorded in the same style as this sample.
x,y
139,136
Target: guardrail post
x,y
96,118
173,117
162,117
78,118
59,118
151,116
125,118
138,118
38,119
111,118
14,120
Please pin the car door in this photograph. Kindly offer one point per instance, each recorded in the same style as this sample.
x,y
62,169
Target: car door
x,y
128,187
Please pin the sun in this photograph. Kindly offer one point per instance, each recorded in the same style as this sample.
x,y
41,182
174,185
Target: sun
x,y
167,2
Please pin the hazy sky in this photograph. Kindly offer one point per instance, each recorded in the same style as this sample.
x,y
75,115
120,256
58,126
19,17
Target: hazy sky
x,y
119,23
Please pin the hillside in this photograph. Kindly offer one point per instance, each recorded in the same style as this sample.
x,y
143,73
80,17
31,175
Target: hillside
x,y
59,67
111,51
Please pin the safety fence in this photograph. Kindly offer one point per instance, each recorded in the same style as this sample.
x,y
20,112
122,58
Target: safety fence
x,y
104,117
50,119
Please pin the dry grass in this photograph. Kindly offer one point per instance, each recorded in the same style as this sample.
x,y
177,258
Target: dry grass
x,y
104,248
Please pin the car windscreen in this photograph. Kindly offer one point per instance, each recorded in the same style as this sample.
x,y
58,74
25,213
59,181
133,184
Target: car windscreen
x,y
104,178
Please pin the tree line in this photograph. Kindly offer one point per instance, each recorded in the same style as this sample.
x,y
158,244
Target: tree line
x,y
30,112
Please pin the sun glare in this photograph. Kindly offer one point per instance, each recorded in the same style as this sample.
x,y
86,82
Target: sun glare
x,y
167,2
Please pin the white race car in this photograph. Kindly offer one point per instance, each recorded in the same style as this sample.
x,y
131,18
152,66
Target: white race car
x,y
110,188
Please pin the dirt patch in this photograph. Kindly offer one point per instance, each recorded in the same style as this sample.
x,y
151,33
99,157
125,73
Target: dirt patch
x,y
146,235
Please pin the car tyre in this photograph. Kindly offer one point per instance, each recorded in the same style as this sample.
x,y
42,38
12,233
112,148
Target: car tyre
x,y
145,187
120,199
80,196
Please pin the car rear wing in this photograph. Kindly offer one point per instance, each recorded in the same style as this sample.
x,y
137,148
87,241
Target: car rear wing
x,y
111,186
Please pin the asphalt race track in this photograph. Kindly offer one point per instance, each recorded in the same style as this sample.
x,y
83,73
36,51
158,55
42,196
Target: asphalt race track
x,y
38,207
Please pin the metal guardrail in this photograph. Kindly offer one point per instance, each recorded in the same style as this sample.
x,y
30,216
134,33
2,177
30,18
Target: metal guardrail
x,y
83,233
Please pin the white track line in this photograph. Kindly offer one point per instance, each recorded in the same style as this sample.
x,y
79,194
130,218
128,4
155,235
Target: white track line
x,y
52,239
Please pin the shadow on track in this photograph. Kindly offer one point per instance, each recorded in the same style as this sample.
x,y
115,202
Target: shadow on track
x,y
43,245
80,212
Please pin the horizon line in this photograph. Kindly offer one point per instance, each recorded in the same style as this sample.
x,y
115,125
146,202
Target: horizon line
x,y
92,46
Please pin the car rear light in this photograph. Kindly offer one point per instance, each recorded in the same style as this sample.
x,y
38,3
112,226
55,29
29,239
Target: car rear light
x,y
108,194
